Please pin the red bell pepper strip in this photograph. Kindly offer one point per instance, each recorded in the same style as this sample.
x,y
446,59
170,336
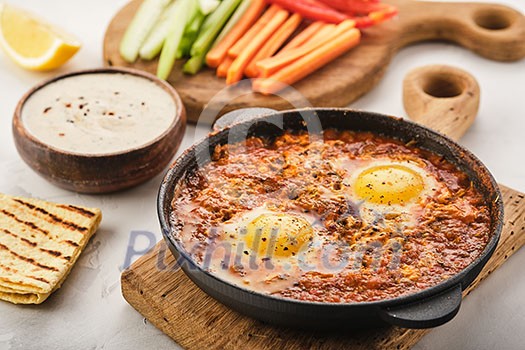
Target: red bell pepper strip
x,y
311,9
362,21
381,16
357,7
317,3
375,17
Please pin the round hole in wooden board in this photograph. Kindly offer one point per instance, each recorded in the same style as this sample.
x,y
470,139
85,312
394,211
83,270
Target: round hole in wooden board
x,y
494,19
443,86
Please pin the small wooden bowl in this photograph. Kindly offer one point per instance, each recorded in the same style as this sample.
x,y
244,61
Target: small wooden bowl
x,y
445,96
106,172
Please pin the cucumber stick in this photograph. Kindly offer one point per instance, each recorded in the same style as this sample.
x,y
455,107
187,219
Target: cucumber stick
x,y
194,64
185,11
140,26
192,30
209,31
212,26
237,15
208,6
153,44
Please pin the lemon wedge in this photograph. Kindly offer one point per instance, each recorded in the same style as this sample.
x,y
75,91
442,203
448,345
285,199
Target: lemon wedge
x,y
31,42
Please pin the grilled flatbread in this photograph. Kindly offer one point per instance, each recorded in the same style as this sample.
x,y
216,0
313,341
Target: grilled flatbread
x,y
39,244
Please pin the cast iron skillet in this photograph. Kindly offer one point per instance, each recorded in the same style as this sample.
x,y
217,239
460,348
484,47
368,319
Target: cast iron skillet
x,y
430,307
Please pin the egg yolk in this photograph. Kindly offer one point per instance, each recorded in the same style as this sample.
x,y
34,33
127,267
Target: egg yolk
x,y
279,235
388,184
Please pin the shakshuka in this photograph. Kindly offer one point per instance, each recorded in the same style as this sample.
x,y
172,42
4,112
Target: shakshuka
x,y
342,217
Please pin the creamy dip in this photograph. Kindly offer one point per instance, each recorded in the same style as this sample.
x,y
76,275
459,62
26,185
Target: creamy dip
x,y
99,113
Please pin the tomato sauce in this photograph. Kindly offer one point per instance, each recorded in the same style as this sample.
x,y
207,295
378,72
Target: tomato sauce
x,y
387,218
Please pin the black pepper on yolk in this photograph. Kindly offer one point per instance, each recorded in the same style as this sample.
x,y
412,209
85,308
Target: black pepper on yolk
x,y
280,235
388,184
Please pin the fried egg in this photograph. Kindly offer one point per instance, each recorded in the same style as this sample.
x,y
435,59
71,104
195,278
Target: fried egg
x,y
386,186
278,234
390,182
268,234
267,248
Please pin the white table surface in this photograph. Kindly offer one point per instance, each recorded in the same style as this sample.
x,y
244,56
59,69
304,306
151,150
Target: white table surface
x,y
89,312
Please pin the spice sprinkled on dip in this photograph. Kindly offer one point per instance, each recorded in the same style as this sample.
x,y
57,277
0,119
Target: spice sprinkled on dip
x,y
97,114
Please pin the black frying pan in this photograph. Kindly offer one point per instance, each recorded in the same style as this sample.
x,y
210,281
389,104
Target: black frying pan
x,y
428,308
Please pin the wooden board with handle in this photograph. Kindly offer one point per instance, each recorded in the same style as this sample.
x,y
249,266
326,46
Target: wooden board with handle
x,y
161,292
494,31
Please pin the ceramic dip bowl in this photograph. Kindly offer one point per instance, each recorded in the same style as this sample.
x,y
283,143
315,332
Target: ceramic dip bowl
x,y
100,130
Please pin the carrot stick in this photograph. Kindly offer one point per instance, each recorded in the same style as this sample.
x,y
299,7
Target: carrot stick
x,y
216,55
243,59
309,63
273,44
271,65
222,70
245,40
303,36
323,34
268,66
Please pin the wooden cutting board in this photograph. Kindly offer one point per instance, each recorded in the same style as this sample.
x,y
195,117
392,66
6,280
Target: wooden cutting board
x,y
493,31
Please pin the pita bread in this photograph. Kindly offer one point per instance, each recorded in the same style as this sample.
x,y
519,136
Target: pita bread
x,y
39,244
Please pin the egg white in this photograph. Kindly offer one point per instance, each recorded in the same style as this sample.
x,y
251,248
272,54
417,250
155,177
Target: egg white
x,y
266,273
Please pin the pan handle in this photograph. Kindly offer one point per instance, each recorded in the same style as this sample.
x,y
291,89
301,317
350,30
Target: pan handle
x,y
430,312
240,115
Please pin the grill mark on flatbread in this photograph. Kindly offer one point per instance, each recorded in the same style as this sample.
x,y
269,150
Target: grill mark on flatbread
x,y
29,260
41,279
74,244
53,218
25,240
29,224
78,210
34,244
51,252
